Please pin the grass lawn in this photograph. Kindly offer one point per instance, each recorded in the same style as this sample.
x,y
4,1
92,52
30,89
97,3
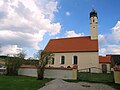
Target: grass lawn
x,y
97,78
21,83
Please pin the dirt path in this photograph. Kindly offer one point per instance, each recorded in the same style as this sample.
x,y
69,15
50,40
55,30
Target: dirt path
x,y
59,84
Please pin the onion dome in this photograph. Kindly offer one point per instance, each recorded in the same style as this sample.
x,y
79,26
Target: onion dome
x,y
93,13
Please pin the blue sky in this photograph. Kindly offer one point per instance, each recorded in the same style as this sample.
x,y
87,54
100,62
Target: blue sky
x,y
28,25
78,20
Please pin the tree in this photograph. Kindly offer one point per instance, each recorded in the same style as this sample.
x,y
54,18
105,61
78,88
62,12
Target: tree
x,y
115,60
14,63
44,57
31,61
21,54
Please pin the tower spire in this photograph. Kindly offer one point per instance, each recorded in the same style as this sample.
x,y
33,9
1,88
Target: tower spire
x,y
93,8
93,24
92,4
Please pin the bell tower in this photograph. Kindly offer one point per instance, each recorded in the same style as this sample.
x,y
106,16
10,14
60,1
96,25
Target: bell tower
x,y
93,24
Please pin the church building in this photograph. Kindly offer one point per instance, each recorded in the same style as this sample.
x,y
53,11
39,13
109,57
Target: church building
x,y
77,51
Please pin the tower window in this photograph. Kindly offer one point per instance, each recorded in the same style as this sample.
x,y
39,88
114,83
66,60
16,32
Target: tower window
x,y
93,20
62,60
75,59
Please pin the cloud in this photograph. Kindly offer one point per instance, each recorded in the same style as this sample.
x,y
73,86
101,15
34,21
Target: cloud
x,y
19,38
102,40
68,13
117,26
116,33
110,43
110,49
73,34
25,22
10,49
114,49
103,51
3,15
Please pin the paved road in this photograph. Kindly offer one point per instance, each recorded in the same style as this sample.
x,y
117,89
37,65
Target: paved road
x,y
59,84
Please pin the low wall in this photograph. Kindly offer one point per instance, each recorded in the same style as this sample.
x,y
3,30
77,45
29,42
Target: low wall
x,y
90,70
50,72
117,75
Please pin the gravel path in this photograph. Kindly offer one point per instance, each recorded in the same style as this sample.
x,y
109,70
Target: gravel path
x,y
59,84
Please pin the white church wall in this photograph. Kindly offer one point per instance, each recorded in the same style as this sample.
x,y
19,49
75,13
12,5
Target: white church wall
x,y
85,60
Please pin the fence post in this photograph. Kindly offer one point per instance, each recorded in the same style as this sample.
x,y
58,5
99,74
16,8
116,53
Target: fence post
x,y
74,71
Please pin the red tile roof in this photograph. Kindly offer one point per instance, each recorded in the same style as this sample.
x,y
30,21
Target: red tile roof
x,y
61,68
74,44
104,59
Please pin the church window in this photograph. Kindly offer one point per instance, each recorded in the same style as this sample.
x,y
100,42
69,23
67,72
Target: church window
x,y
62,60
52,61
75,59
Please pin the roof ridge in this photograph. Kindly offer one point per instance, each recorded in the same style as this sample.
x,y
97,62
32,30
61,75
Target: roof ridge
x,y
70,37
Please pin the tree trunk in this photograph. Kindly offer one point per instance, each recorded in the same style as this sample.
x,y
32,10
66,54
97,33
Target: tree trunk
x,y
40,73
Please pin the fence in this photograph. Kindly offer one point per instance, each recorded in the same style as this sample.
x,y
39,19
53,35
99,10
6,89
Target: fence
x,y
50,72
90,70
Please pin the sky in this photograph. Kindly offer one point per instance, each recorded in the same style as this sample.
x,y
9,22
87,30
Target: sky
x,y
28,25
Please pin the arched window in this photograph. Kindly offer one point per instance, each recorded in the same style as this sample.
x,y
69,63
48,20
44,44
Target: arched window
x,y
62,60
52,61
75,59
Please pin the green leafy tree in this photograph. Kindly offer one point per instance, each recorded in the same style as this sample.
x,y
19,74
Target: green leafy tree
x,y
44,57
